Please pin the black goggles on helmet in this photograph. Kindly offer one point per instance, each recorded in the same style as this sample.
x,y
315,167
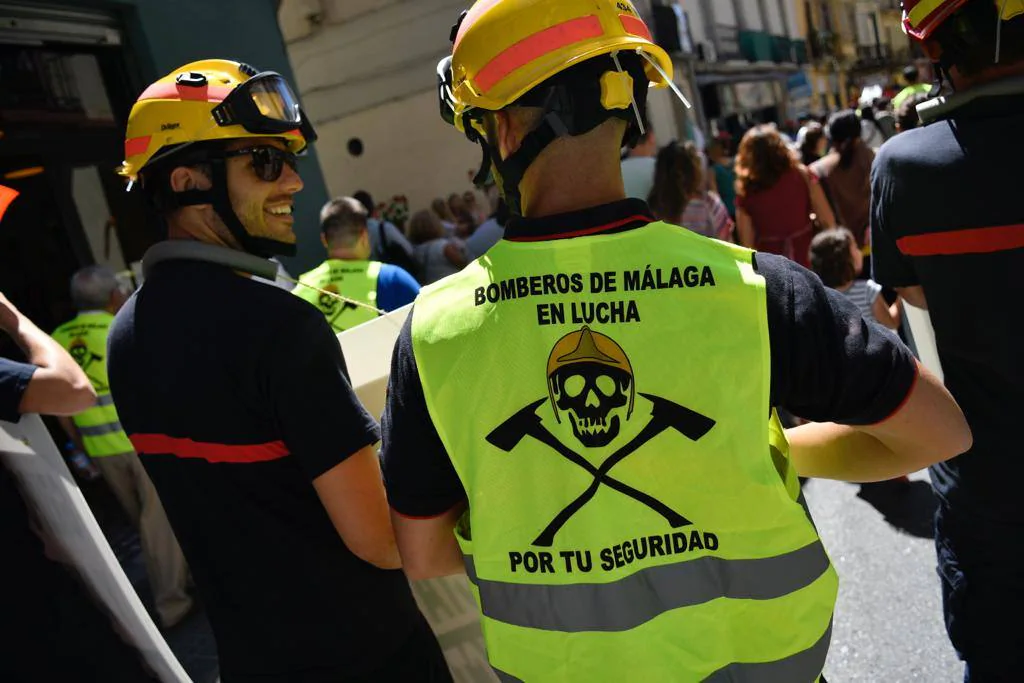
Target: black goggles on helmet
x,y
447,102
264,105
267,161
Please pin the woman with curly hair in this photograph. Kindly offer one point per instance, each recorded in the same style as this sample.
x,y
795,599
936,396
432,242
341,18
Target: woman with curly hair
x,y
678,194
777,198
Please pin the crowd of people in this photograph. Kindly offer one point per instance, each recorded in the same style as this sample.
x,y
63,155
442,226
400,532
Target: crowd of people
x,y
668,540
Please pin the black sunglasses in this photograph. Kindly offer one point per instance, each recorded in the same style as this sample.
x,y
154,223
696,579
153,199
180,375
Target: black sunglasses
x,y
267,161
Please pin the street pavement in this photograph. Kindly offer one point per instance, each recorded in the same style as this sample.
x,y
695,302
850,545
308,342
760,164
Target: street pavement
x,y
888,622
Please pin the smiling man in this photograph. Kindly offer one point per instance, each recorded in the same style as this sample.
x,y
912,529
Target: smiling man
x,y
236,397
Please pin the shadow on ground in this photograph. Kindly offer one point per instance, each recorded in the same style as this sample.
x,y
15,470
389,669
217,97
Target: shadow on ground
x,y
906,505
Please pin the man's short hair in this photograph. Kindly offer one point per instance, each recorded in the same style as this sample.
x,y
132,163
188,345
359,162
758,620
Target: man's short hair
x,y
910,74
342,221
92,286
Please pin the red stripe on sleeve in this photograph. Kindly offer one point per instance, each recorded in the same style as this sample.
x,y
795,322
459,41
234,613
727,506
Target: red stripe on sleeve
x,y
210,452
972,241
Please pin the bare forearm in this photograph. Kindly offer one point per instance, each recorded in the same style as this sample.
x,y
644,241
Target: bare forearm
x,y
428,546
928,428
831,451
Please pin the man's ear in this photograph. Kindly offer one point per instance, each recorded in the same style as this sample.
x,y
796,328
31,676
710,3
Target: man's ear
x,y
188,178
323,240
508,137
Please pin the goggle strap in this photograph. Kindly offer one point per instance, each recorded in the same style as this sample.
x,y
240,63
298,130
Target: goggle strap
x,y
193,197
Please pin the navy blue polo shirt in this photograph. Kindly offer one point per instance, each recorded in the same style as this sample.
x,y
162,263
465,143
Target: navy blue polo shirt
x,y
947,214
236,396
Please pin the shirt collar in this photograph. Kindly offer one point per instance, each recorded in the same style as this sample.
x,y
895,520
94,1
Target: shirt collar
x,y
998,97
189,250
617,216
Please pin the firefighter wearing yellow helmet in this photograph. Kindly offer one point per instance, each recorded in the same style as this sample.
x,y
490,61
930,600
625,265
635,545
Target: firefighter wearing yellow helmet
x,y
945,208
188,116
236,396
582,419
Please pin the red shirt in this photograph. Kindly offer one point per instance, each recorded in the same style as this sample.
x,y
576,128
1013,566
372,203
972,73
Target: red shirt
x,y
782,217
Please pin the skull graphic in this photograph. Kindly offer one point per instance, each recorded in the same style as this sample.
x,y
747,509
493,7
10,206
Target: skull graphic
x,y
591,380
328,302
595,397
80,352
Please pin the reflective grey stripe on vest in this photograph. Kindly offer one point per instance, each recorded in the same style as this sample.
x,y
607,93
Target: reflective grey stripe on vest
x,y
803,667
100,430
104,400
640,597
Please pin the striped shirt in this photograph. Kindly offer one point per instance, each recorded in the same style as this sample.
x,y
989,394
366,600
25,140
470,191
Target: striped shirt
x,y
707,216
863,294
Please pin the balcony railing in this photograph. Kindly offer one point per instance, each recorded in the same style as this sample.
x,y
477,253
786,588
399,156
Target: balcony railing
x,y
874,54
823,45
800,51
757,46
727,42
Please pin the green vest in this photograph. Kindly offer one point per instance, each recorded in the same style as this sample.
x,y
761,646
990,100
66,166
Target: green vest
x,y
355,280
85,338
633,514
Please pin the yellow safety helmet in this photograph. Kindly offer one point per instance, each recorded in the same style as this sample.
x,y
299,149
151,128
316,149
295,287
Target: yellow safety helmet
x,y
505,49
209,100
587,346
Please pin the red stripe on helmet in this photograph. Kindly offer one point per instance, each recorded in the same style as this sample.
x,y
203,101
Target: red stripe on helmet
x,y
535,46
972,241
635,26
478,9
134,146
178,91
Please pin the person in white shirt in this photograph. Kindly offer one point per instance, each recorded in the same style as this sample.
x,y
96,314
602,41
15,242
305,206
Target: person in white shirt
x,y
638,165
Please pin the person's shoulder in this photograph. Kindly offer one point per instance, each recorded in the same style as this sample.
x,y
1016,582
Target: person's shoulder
x,y
389,273
911,145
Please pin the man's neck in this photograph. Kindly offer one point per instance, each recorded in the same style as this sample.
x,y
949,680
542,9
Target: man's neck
x,y
565,184
342,254
200,232
994,73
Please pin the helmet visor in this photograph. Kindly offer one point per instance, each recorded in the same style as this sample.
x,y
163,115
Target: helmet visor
x,y
264,104
274,99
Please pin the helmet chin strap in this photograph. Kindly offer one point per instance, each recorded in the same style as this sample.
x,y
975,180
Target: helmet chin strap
x,y
218,197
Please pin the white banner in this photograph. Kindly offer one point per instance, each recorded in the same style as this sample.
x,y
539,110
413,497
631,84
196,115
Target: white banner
x,y
447,602
63,514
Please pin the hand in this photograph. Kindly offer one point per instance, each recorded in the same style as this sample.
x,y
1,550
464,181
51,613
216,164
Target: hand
x,y
10,317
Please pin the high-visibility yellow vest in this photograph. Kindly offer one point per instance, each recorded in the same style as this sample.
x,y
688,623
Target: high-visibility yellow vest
x,y
353,279
633,513
85,338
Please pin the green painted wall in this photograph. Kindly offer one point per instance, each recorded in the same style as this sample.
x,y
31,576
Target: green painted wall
x,y
165,34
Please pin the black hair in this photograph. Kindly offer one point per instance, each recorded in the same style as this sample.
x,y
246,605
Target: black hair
x,y
844,132
910,74
364,198
831,258
968,38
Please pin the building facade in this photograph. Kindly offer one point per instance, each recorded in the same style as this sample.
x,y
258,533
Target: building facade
x,y
854,44
70,71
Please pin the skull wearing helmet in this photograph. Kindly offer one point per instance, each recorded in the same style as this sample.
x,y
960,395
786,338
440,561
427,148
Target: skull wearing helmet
x,y
596,397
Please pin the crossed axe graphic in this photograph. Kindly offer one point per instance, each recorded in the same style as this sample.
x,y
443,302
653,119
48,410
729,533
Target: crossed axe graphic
x,y
665,414
345,306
